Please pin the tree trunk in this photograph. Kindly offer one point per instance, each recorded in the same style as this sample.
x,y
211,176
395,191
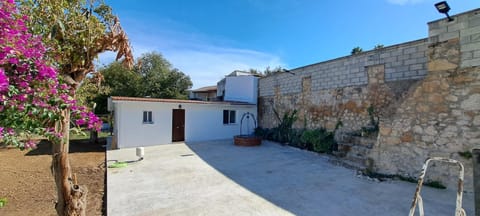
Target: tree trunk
x,y
71,198
94,136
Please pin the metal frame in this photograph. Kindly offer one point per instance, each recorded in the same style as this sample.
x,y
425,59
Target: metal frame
x,y
248,115
459,211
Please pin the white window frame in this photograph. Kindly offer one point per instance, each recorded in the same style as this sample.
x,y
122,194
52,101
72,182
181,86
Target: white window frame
x,y
231,117
147,117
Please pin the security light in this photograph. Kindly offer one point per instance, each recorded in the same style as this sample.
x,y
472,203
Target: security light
x,y
287,71
443,7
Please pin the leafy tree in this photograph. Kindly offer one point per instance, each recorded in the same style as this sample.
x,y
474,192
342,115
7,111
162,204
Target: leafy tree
x,y
255,72
113,80
356,50
159,79
268,71
120,80
151,76
90,91
76,32
31,96
378,46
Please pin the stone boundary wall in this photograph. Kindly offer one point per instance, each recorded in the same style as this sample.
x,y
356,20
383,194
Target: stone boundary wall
x,y
441,116
425,93
404,61
465,26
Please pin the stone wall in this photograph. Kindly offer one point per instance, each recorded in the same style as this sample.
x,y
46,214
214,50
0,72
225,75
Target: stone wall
x,y
402,62
426,94
441,116
342,89
328,107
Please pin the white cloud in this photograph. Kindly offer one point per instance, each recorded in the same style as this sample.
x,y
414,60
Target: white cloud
x,y
206,60
404,2
208,66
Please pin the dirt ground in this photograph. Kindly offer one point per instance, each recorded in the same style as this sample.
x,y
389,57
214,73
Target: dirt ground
x,y
27,183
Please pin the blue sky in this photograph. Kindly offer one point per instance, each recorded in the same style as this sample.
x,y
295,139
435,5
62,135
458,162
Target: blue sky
x,y
208,39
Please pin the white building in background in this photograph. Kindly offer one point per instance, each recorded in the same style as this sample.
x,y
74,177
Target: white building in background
x,y
239,86
208,93
153,121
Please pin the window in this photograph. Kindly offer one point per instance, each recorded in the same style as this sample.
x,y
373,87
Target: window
x,y
147,117
229,116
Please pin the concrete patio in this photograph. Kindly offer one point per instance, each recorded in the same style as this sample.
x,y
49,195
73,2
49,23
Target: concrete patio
x,y
218,178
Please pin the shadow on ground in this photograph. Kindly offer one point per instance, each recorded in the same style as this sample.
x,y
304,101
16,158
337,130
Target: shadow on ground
x,y
305,183
76,146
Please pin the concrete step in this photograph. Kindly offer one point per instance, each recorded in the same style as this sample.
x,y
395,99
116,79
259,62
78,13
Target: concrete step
x,y
358,140
339,153
357,164
361,161
353,149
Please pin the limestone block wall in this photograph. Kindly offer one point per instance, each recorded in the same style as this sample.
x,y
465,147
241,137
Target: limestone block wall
x,y
342,89
440,116
402,62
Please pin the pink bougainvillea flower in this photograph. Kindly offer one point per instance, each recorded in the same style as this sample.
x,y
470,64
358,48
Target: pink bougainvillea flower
x,y
30,85
3,81
80,122
30,144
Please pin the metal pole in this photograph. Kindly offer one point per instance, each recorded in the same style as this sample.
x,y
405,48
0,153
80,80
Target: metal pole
x,y
476,178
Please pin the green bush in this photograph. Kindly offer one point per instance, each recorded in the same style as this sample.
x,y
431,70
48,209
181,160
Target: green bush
x,y
466,154
265,133
295,138
320,140
283,132
3,202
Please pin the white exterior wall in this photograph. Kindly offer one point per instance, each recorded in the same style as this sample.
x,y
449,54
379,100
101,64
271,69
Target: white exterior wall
x,y
241,88
202,122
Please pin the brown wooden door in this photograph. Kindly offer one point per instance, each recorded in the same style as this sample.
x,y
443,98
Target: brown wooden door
x,y
178,125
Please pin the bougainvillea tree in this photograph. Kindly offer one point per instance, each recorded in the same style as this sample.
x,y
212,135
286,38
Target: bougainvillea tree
x,y
38,84
31,95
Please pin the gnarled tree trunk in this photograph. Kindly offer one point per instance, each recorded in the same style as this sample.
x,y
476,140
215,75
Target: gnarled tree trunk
x,y
71,198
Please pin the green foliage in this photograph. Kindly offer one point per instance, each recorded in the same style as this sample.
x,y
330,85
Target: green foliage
x,y
117,81
3,202
283,132
268,71
262,132
338,125
356,50
378,46
371,129
383,177
77,31
90,92
320,139
120,80
159,79
435,184
82,135
255,72
466,154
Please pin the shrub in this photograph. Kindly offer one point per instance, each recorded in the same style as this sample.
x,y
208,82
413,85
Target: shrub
x,y
466,154
320,140
265,133
295,138
3,202
283,132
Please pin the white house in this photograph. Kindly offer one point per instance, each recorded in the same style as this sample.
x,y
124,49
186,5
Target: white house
x,y
239,86
153,121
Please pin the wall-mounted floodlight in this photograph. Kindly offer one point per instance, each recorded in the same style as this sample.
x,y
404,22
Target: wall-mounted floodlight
x,y
287,71
443,7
